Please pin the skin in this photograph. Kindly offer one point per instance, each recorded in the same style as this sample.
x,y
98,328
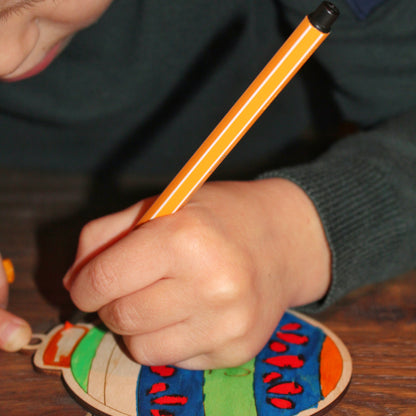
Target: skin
x,y
203,288
14,332
28,31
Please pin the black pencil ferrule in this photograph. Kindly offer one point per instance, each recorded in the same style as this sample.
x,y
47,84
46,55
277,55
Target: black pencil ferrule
x,y
324,16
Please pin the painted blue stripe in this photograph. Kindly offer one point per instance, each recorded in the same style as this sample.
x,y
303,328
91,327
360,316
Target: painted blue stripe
x,y
307,376
191,382
181,382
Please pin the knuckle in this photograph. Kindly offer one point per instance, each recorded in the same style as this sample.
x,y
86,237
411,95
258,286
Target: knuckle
x,y
238,324
224,288
121,317
146,353
189,237
103,279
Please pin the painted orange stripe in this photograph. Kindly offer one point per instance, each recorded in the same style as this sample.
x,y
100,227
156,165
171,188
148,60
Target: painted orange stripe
x,y
331,366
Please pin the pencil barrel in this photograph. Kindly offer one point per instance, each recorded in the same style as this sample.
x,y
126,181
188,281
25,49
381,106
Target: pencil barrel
x,y
263,90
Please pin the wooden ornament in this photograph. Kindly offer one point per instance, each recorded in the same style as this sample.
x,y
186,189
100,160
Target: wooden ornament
x,y
303,370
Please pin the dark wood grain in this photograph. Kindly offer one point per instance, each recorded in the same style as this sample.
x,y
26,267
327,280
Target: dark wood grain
x,y
40,219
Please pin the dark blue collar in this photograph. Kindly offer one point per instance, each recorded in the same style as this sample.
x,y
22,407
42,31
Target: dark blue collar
x,y
362,8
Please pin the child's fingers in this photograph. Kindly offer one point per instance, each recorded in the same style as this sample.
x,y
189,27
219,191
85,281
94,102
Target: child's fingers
x,y
15,333
129,265
167,346
151,309
103,232
192,346
230,355
198,345
206,339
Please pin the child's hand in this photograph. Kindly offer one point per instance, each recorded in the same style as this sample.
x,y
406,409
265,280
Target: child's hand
x,y
205,287
14,332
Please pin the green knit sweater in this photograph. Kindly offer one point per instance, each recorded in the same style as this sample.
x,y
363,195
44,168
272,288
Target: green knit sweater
x,y
140,90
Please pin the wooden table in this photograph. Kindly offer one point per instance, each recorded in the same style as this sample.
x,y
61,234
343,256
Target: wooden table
x,y
40,219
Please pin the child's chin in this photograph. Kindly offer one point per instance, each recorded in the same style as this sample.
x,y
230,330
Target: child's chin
x,y
48,58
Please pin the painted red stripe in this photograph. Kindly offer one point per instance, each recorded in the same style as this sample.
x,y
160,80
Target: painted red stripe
x,y
286,388
281,403
292,326
269,377
171,400
291,361
157,388
156,412
293,338
277,346
163,370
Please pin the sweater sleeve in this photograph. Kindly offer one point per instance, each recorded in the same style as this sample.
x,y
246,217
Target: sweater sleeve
x,y
364,189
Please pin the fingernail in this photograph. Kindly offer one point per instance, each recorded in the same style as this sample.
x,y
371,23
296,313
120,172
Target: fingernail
x,y
69,276
14,335
65,280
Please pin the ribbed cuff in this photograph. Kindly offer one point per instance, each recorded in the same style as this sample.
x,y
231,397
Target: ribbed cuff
x,y
360,215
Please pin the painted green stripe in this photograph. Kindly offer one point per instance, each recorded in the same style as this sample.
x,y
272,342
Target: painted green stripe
x,y
82,357
230,392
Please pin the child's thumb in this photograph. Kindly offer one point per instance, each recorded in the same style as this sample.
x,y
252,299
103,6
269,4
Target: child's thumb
x,y
15,333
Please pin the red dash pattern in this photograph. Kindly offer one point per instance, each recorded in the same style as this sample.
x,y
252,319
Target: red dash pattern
x,y
269,377
157,388
293,338
286,388
163,370
293,326
156,412
281,403
277,346
290,361
171,400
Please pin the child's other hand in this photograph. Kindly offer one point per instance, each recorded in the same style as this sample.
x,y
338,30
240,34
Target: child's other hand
x,y
205,287
15,333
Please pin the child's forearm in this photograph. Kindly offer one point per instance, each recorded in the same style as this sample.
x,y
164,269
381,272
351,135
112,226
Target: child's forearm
x,y
364,190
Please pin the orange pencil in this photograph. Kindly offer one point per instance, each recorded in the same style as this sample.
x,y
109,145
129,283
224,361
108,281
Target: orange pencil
x,y
302,43
9,269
